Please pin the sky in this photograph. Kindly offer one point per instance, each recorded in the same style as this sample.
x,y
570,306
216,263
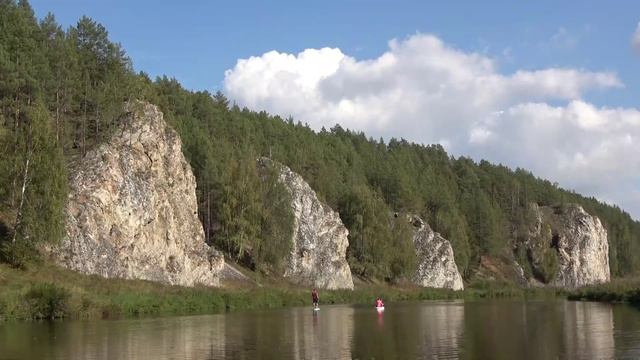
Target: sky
x,y
548,86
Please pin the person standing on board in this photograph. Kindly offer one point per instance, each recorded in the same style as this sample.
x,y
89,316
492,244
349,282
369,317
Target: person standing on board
x,y
315,298
379,303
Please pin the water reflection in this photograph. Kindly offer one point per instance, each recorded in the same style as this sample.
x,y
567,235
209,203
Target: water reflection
x,y
441,330
464,330
626,331
424,330
292,334
588,330
185,337
539,330
324,335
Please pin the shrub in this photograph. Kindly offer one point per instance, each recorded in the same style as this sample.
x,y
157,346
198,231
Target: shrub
x,y
46,301
18,254
3,309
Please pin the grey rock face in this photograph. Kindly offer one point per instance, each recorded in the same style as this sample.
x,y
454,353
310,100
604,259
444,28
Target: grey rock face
x,y
318,255
132,210
436,264
580,242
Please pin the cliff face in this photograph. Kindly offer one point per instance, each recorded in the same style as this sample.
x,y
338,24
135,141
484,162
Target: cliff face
x,y
318,255
436,264
570,245
132,210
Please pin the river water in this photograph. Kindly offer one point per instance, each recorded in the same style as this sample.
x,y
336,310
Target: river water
x,y
496,329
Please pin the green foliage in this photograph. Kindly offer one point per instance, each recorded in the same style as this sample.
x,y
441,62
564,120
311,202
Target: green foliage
x,y
549,266
43,291
47,301
403,263
542,256
61,93
620,290
43,115
271,249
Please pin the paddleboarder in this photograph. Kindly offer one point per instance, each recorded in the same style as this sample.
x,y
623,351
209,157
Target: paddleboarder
x,y
315,298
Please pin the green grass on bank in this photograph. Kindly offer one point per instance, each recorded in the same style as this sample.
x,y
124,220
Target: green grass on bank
x,y
45,291
619,290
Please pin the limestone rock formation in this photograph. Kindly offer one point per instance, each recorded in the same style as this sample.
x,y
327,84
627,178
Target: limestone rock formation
x,y
132,210
436,264
318,255
569,243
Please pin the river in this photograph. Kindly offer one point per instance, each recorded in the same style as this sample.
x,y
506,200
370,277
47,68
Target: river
x,y
495,329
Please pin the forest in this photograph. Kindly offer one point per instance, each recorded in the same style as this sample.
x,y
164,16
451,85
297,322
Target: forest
x,y
62,93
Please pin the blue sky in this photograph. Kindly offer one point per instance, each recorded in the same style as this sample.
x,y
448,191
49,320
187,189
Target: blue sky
x,y
196,41
550,86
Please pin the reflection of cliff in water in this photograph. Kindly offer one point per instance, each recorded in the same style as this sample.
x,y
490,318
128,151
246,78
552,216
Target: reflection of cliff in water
x,y
323,335
626,320
430,330
196,337
495,329
538,330
441,329
588,330
513,329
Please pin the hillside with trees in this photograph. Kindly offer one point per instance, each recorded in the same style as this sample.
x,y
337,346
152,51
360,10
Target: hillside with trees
x,y
61,94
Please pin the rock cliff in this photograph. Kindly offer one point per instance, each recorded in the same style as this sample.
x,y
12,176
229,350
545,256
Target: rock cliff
x,y
436,264
318,255
132,210
567,247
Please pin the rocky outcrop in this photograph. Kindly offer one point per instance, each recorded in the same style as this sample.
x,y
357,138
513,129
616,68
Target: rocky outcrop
x,y
436,264
568,245
318,254
132,210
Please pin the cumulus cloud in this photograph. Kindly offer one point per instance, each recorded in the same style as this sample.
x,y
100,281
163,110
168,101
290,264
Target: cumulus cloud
x,y
426,91
635,39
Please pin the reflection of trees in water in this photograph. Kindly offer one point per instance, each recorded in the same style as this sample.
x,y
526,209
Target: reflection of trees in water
x,y
504,329
290,333
324,335
588,330
626,321
427,330
441,328
485,329
538,330
187,338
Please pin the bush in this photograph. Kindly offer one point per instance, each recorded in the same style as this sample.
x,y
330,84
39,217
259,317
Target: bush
x,y
18,254
47,301
3,309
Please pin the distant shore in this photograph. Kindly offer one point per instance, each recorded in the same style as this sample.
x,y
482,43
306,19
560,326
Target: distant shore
x,y
46,292
618,290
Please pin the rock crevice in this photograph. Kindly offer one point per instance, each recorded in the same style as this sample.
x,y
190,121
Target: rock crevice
x,y
569,243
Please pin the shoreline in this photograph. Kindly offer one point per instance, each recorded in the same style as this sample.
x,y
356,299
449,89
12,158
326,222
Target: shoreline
x,y
50,292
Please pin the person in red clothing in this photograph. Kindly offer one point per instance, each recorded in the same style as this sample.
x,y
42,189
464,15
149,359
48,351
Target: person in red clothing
x,y
315,298
379,303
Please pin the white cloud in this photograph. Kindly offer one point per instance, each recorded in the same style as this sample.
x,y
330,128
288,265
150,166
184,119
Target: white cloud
x,y
429,92
635,39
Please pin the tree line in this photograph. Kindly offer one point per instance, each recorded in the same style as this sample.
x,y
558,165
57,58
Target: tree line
x,y
61,94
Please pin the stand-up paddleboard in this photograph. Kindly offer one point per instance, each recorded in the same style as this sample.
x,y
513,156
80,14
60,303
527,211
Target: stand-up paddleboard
x,y
316,309
380,308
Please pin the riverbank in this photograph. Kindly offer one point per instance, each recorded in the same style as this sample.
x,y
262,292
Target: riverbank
x,y
46,291
619,290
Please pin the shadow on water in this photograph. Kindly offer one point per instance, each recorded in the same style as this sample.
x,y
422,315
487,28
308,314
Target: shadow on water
x,y
444,330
